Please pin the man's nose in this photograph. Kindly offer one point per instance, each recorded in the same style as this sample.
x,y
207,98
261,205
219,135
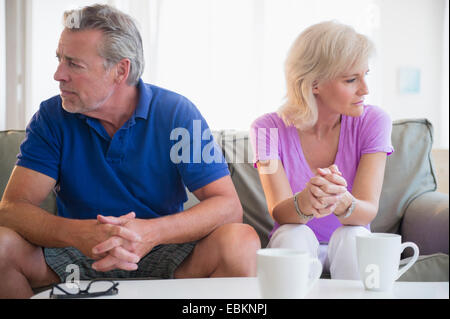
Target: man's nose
x,y
61,74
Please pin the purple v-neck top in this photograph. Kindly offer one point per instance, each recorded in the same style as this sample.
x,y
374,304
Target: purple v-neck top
x,y
368,133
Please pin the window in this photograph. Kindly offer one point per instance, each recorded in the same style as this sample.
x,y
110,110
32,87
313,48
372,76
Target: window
x,y
2,66
227,56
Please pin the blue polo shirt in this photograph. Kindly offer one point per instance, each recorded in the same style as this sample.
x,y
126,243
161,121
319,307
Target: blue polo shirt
x,y
164,147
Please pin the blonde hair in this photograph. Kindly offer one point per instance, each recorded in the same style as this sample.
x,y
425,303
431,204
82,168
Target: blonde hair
x,y
321,52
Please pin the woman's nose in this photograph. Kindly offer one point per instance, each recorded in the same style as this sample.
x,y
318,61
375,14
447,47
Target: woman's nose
x,y
363,89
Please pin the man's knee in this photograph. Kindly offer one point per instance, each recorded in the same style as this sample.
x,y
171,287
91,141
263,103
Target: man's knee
x,y
18,255
237,244
10,242
229,251
238,239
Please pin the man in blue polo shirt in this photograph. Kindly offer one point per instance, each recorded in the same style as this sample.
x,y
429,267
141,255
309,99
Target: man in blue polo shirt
x,y
118,153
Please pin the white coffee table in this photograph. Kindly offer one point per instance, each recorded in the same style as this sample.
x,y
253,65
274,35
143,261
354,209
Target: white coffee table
x,y
247,288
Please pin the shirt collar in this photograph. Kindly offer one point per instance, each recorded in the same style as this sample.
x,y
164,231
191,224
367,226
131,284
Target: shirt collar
x,y
145,97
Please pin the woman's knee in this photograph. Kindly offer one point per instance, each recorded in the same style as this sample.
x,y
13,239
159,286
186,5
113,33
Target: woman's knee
x,y
343,243
294,230
342,252
346,233
296,236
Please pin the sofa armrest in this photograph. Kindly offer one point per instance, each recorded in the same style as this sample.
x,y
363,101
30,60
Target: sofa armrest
x,y
426,223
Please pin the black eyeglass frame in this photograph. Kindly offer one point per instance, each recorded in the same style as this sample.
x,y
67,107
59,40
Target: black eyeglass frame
x,y
84,293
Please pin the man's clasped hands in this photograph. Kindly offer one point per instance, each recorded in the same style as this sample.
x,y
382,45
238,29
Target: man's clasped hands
x,y
117,242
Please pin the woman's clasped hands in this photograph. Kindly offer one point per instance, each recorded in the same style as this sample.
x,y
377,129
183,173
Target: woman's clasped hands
x,y
325,191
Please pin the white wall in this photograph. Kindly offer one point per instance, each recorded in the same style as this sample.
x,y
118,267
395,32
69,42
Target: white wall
x,y
46,20
411,36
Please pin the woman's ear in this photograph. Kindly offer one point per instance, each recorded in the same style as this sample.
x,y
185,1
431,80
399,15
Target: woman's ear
x,y
315,87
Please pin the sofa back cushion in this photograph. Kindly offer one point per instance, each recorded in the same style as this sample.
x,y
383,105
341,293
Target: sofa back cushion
x,y
239,155
9,148
409,172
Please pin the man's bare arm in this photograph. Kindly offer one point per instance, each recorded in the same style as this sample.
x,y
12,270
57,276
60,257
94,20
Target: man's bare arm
x,y
219,204
20,211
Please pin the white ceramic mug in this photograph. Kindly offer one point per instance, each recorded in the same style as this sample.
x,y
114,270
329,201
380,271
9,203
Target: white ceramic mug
x,y
285,273
379,259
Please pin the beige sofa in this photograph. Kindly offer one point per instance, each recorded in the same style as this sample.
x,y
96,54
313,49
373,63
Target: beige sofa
x,y
409,203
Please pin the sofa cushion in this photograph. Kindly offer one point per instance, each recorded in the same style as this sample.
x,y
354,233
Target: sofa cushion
x,y
427,268
426,223
239,155
409,172
9,148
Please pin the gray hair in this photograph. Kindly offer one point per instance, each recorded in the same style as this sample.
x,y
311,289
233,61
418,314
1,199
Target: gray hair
x,y
121,38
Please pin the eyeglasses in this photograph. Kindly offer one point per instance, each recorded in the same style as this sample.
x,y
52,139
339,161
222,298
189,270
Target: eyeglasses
x,y
95,288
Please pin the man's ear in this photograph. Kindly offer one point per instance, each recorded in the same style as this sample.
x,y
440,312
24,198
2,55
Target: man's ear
x,y
122,70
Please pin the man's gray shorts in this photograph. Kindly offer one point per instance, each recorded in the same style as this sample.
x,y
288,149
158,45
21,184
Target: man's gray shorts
x,y
161,262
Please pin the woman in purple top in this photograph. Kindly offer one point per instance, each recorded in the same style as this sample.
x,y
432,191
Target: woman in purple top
x,y
321,157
